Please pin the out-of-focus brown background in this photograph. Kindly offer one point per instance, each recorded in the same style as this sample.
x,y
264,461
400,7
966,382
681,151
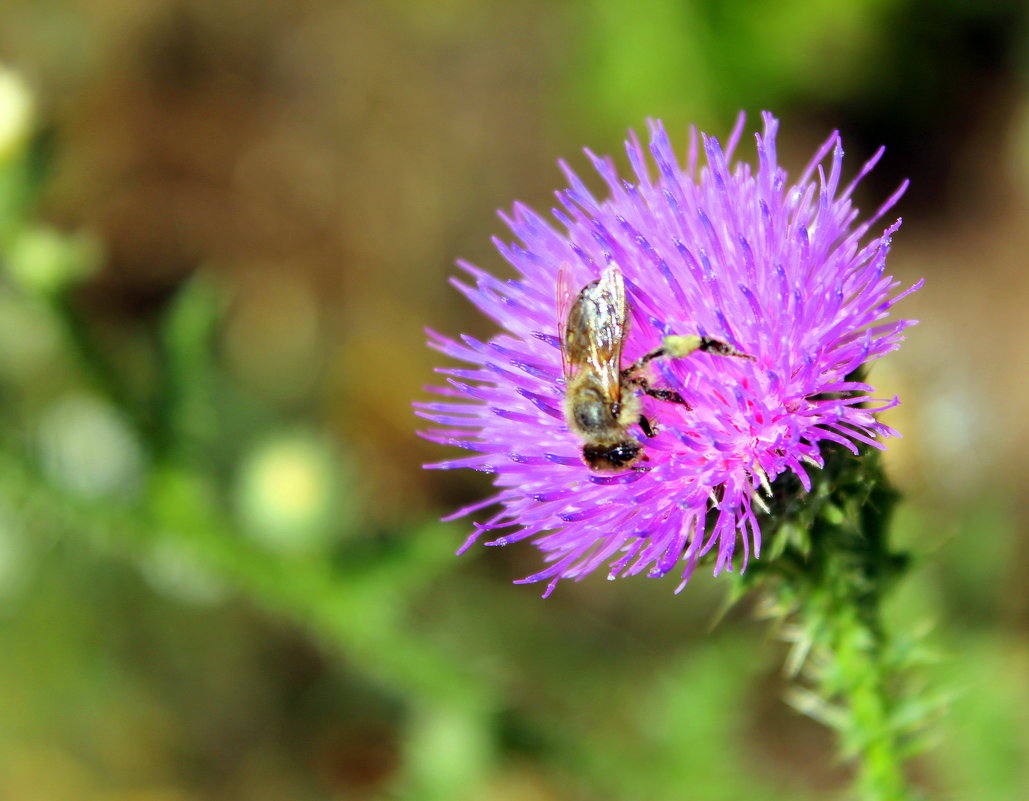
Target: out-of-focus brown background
x,y
209,430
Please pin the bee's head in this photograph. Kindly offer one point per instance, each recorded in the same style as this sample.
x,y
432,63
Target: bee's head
x,y
611,458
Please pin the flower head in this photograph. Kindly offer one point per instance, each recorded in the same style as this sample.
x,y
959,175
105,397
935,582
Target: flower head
x,y
736,254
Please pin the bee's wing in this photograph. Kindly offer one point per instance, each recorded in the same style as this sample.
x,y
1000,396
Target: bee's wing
x,y
565,294
594,330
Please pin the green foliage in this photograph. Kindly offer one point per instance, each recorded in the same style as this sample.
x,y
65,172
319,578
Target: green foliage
x,y
701,61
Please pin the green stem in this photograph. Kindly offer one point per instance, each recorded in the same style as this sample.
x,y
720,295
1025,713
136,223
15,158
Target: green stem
x,y
853,680
831,569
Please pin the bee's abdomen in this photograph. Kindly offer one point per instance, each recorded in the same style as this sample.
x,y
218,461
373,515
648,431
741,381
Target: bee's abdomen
x,y
592,415
611,458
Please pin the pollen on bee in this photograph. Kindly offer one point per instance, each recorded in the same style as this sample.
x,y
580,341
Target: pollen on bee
x,y
678,346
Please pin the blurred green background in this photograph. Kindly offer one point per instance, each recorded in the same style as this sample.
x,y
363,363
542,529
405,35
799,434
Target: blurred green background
x,y
223,226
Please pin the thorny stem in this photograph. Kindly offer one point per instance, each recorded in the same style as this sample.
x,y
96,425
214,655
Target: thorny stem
x,y
831,566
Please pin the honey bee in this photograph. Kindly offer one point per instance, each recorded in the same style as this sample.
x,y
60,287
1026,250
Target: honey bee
x,y
601,397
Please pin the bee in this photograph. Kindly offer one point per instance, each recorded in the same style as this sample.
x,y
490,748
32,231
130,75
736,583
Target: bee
x,y
602,399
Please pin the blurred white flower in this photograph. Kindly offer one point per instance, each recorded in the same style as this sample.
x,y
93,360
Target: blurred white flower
x,y
16,113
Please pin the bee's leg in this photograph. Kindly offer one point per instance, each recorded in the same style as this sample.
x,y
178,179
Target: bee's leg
x,y
678,347
669,395
647,426
643,361
706,344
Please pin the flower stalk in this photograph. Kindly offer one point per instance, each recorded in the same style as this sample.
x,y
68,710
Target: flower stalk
x,y
825,588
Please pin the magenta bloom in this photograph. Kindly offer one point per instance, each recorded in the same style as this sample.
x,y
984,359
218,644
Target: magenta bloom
x,y
779,271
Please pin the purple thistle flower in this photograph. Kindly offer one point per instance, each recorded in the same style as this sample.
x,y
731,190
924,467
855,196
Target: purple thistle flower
x,y
779,271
